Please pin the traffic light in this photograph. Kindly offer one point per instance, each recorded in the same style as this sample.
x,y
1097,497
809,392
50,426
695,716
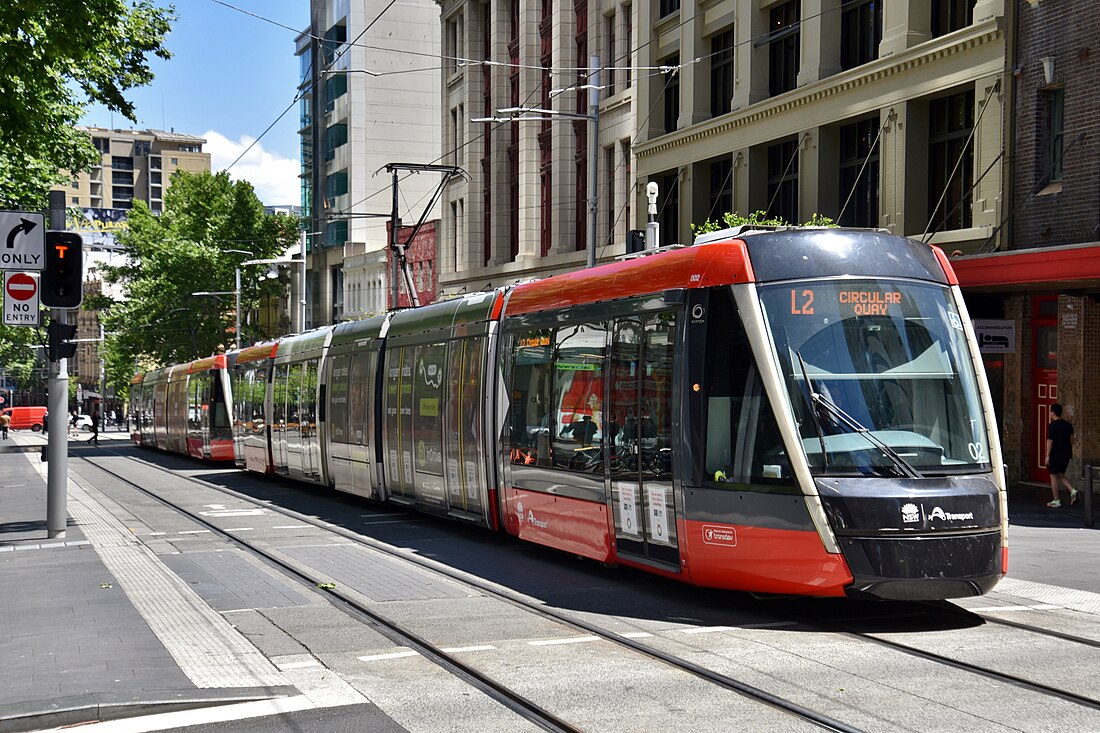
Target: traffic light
x,y
62,281
58,338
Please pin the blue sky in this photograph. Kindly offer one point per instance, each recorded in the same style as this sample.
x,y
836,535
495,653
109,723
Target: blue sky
x,y
231,75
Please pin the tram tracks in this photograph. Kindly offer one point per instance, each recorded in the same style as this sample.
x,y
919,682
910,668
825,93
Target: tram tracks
x,y
402,636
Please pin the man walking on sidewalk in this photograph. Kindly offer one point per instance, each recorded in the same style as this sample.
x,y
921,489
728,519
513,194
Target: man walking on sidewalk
x,y
1059,451
5,423
96,415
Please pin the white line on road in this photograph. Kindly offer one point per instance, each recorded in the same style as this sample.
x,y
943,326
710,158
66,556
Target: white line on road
x,y
555,642
457,649
393,655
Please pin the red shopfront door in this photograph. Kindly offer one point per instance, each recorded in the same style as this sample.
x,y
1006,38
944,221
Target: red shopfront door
x,y
1044,378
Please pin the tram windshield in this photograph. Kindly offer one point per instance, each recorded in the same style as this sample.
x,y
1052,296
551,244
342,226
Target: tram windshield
x,y
879,377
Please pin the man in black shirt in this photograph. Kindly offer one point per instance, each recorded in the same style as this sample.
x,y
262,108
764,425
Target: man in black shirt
x,y
1059,451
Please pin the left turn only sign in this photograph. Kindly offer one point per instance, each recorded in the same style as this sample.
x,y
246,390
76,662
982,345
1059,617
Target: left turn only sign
x,y
21,299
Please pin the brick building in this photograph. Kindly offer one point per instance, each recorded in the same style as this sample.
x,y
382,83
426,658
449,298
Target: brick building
x,y
1040,286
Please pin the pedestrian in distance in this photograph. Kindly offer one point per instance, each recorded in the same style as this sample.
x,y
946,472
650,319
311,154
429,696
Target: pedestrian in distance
x,y
96,415
5,423
73,427
1059,451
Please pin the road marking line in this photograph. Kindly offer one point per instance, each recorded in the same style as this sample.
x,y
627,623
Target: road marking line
x,y
239,529
555,642
293,526
393,655
1002,609
457,649
201,716
298,665
195,531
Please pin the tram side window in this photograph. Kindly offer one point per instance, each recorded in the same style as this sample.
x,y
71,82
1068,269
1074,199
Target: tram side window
x,y
532,423
219,411
309,397
278,400
578,393
338,399
359,389
743,442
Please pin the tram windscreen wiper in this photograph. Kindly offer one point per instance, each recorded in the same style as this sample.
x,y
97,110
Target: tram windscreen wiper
x,y
850,422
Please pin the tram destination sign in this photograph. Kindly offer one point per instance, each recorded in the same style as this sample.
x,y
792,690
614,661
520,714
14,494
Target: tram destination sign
x,y
22,240
21,299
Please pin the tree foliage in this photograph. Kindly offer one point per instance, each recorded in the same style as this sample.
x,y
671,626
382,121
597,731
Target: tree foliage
x,y
18,355
186,250
56,58
730,220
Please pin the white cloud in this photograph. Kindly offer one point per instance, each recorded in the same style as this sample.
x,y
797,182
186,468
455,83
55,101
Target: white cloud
x,y
274,177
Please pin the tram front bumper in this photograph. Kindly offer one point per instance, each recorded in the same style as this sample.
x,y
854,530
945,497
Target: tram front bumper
x,y
916,539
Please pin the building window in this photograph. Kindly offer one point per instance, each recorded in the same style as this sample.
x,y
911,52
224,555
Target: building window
x,y
190,148
672,94
122,163
668,206
76,200
335,136
336,86
102,144
174,161
609,82
783,40
721,73
337,281
860,32
1053,106
950,121
783,180
336,184
859,174
721,187
625,145
335,37
951,15
668,7
336,233
609,154
628,44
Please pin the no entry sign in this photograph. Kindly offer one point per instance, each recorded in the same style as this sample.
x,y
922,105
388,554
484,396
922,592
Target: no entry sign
x,y
21,299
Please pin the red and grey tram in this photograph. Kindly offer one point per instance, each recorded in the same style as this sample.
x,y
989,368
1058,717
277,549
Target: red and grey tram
x,y
797,411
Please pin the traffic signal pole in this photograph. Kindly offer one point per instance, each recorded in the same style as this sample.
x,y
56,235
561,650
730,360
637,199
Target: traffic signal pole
x,y
57,472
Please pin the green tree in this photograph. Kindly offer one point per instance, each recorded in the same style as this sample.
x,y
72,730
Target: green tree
x,y
56,58
18,355
187,249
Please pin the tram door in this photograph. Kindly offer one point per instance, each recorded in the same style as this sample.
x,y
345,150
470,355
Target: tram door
x,y
640,437
1044,389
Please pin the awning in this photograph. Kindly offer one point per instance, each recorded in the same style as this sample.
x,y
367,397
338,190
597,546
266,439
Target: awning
x,y
1073,267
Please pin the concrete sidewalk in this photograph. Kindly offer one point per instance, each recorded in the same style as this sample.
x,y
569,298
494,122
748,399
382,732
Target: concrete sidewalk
x,y
76,648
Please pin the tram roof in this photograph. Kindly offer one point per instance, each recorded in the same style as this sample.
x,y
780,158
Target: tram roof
x,y
258,352
469,309
352,331
318,338
719,263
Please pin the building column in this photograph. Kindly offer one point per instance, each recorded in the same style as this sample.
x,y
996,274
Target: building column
x,y
694,78
905,23
750,61
903,204
563,142
988,144
819,39
818,175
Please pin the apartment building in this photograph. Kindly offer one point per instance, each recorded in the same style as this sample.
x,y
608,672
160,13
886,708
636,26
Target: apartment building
x,y
369,97
134,164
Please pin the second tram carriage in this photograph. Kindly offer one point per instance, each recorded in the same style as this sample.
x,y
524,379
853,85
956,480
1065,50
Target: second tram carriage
x,y
796,411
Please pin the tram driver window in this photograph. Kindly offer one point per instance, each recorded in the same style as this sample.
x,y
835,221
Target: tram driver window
x,y
531,418
743,445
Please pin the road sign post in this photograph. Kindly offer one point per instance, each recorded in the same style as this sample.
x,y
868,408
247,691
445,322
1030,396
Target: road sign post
x,y
21,299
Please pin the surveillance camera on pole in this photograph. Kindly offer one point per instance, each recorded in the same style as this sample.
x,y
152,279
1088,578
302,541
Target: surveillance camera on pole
x,y
652,227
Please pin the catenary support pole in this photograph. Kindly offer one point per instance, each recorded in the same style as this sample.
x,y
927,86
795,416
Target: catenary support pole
x,y
593,152
57,433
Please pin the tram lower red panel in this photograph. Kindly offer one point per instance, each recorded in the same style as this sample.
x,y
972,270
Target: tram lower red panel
x,y
571,525
762,560
194,447
221,450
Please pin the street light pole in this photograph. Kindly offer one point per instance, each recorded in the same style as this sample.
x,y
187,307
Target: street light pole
x,y
237,290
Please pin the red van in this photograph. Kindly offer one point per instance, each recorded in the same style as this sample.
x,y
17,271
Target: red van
x,y
26,417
